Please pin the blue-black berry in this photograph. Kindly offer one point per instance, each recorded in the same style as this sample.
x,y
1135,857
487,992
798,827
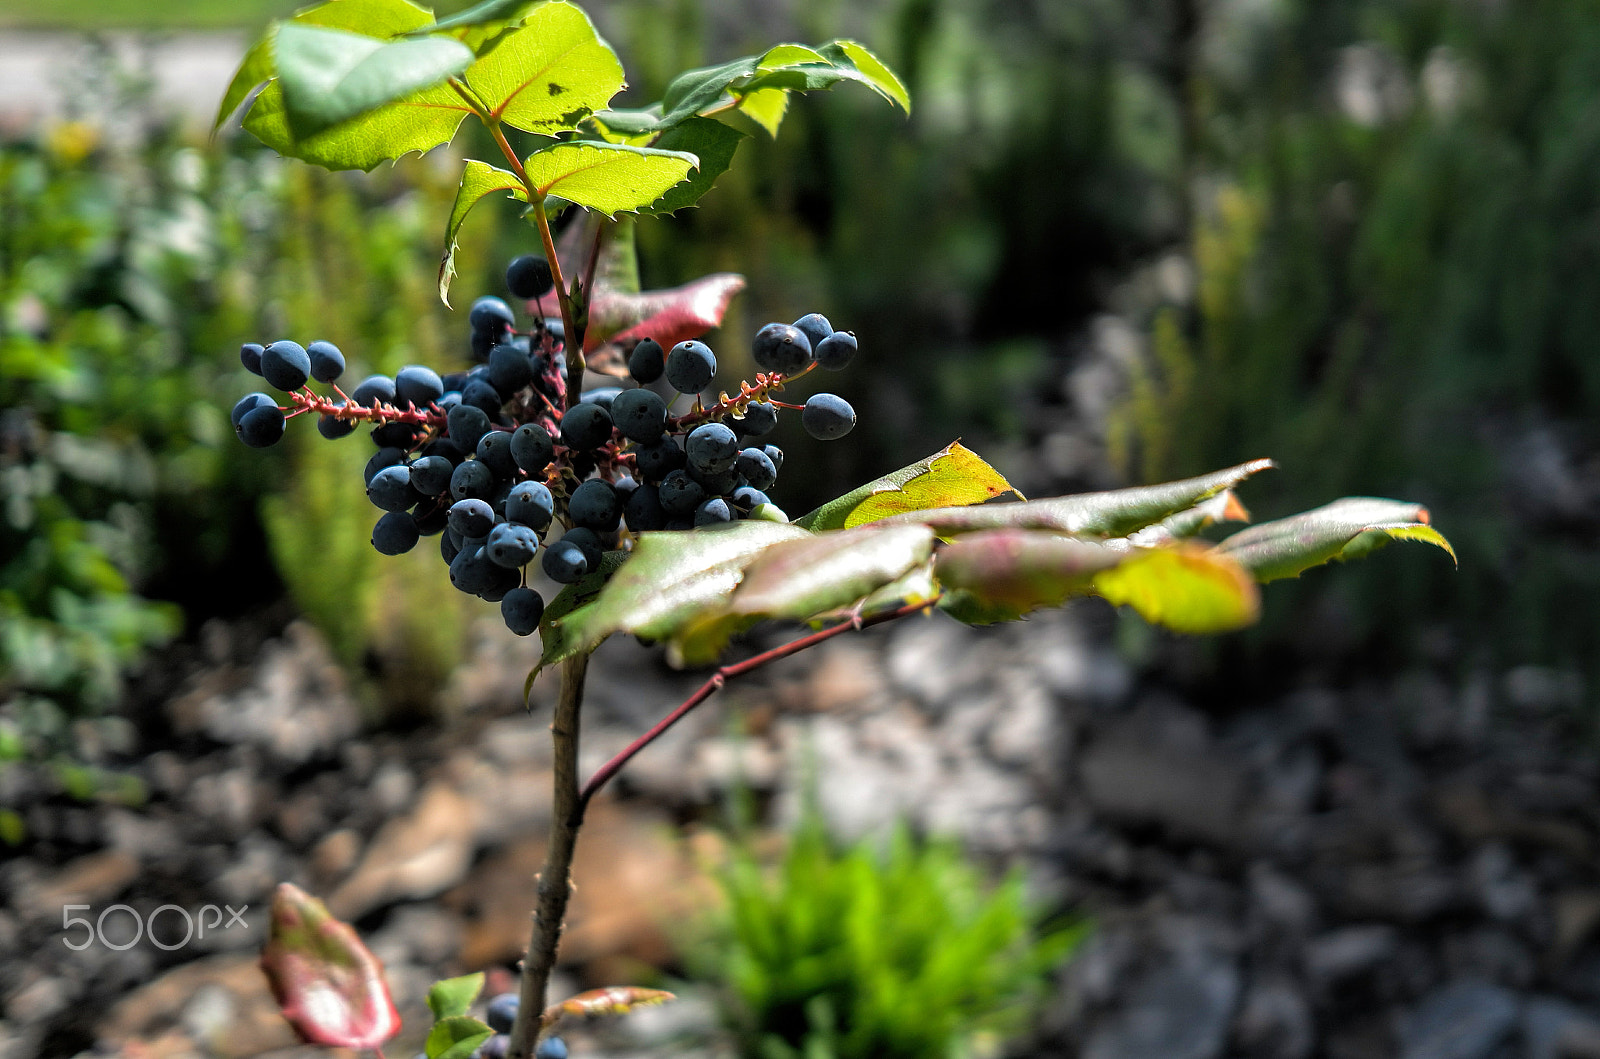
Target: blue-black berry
x,y
690,367
827,416
529,276
782,348
327,363
286,365
395,534
647,361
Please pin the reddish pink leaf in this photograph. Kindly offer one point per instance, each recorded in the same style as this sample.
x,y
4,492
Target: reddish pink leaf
x,y
328,985
669,316
613,1000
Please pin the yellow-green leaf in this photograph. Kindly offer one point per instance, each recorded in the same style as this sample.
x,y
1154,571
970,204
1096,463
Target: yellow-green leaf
x,y
451,997
609,178
1188,588
953,476
548,75
876,72
1003,574
766,107
477,180
329,76
420,122
1346,529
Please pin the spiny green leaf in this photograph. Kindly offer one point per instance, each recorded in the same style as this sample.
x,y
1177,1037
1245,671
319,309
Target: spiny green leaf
x,y
330,76
373,18
874,69
477,180
1003,574
803,578
418,123
766,107
548,75
954,475
1345,529
629,126
482,14
694,90
609,178
1188,588
1224,507
1110,514
669,578
455,1038
709,140
451,997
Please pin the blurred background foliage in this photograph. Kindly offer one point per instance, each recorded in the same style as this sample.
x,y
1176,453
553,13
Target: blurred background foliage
x,y
1118,240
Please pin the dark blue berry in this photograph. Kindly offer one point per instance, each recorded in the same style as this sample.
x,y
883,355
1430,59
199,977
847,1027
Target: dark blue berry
x,y
490,314
680,494
690,367
713,512
585,426
759,419
529,276
418,385
711,447
783,348
521,610
332,427
641,415
656,461
532,448
531,504
432,517
512,545
261,426
471,517
395,534
472,479
399,435
471,570
774,454
373,391
286,365
756,468
327,363
564,562
386,457
595,505
250,357
815,327
588,541
481,394
837,351
643,510
827,416
601,395
430,475
747,497
647,361
494,449
246,403
390,489
551,1048
509,370
467,425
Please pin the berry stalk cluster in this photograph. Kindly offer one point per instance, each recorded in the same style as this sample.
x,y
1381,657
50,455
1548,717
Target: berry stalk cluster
x,y
493,462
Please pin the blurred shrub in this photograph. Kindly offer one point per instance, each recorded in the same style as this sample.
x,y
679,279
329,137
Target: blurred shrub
x,y
889,953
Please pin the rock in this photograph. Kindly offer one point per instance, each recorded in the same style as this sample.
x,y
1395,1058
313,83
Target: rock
x,y
1340,954
1179,1010
416,856
334,856
1553,1028
220,1004
847,676
1280,900
419,933
929,659
1275,1021
1506,893
1462,1020
1149,770
39,999
294,703
92,879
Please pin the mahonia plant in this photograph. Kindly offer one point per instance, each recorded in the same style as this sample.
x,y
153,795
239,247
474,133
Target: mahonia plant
x,y
649,500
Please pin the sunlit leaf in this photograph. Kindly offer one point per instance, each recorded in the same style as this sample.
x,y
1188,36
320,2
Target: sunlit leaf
x,y
601,1003
454,996
418,123
694,90
327,984
804,577
1116,513
710,141
1224,507
1345,529
477,180
456,1037
330,76
953,476
548,75
1188,588
482,14
609,178
374,18
766,107
874,69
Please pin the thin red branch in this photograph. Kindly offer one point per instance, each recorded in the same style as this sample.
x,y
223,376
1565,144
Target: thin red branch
x,y
764,386
303,401
604,774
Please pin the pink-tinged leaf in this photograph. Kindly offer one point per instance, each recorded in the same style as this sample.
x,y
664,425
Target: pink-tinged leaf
x,y
327,984
669,316
597,1003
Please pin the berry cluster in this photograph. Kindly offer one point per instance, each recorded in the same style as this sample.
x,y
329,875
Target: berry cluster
x,y
501,1015
492,458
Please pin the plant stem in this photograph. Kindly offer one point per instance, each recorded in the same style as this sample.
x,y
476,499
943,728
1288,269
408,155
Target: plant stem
x,y
555,881
604,774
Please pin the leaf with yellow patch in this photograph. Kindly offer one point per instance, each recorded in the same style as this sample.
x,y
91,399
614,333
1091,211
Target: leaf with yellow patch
x,y
953,476
1188,588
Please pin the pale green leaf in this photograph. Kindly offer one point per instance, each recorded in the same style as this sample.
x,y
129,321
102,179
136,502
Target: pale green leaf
x,y
452,997
766,107
490,11
872,68
629,126
805,577
330,76
477,180
669,579
548,75
1003,574
709,140
609,178
1345,529
1110,514
1188,588
1224,507
372,18
455,1038
418,123
954,475
694,90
